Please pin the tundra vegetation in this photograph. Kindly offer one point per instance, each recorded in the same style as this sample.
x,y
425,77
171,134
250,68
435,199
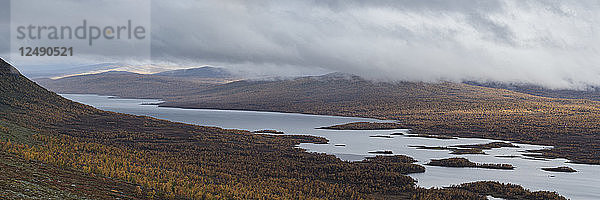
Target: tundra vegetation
x,y
163,159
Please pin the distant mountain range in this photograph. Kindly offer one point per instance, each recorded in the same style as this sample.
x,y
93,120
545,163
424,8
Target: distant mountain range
x,y
48,71
202,72
61,71
134,85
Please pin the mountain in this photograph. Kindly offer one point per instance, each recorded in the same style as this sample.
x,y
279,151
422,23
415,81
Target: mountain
x,y
48,71
202,72
24,106
7,69
126,85
67,150
591,93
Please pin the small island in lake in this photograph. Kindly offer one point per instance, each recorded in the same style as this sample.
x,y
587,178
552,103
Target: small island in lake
x,y
463,162
466,151
396,163
559,169
269,131
507,156
453,150
150,104
430,147
469,148
443,137
491,145
381,136
365,126
381,152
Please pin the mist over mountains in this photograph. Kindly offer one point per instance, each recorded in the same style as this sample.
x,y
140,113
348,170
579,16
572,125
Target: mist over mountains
x,y
549,43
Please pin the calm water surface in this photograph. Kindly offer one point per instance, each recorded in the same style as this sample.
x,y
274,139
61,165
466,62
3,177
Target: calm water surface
x,y
584,184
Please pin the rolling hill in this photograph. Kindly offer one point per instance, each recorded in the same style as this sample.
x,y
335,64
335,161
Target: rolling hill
x,y
590,93
201,72
127,84
69,150
46,71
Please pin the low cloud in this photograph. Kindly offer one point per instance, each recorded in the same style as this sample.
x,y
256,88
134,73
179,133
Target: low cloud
x,y
550,43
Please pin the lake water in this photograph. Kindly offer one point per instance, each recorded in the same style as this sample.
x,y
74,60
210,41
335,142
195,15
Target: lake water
x,y
584,184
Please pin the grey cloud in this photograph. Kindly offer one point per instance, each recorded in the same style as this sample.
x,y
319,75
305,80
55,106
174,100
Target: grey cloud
x,y
4,27
551,43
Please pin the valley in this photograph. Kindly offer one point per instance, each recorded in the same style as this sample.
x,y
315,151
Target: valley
x,y
176,160
451,109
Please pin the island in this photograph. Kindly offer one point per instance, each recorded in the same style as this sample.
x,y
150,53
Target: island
x,y
463,162
365,126
491,145
397,163
454,150
381,136
430,147
559,169
269,131
466,151
443,137
507,156
469,148
381,152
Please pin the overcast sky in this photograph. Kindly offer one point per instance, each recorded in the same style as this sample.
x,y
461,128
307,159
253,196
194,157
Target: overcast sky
x,y
553,43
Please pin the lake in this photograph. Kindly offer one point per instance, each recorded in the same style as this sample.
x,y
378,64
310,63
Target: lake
x,y
584,184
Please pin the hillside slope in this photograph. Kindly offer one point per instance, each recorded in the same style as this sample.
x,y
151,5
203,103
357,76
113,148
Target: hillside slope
x,y
437,108
180,161
592,93
201,72
127,84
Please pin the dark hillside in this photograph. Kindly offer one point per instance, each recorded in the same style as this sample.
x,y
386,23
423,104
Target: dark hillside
x,y
126,85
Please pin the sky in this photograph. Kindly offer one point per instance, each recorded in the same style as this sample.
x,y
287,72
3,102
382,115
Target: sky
x,y
553,43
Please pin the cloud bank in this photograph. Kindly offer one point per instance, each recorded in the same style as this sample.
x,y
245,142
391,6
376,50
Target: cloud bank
x,y
553,43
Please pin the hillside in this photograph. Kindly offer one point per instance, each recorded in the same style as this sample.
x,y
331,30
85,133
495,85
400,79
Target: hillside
x,y
591,93
201,72
133,156
433,108
46,71
127,84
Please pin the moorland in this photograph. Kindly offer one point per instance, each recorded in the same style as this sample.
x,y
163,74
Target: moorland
x,y
127,156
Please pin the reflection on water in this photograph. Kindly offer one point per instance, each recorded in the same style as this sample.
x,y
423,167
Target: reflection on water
x,y
354,145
